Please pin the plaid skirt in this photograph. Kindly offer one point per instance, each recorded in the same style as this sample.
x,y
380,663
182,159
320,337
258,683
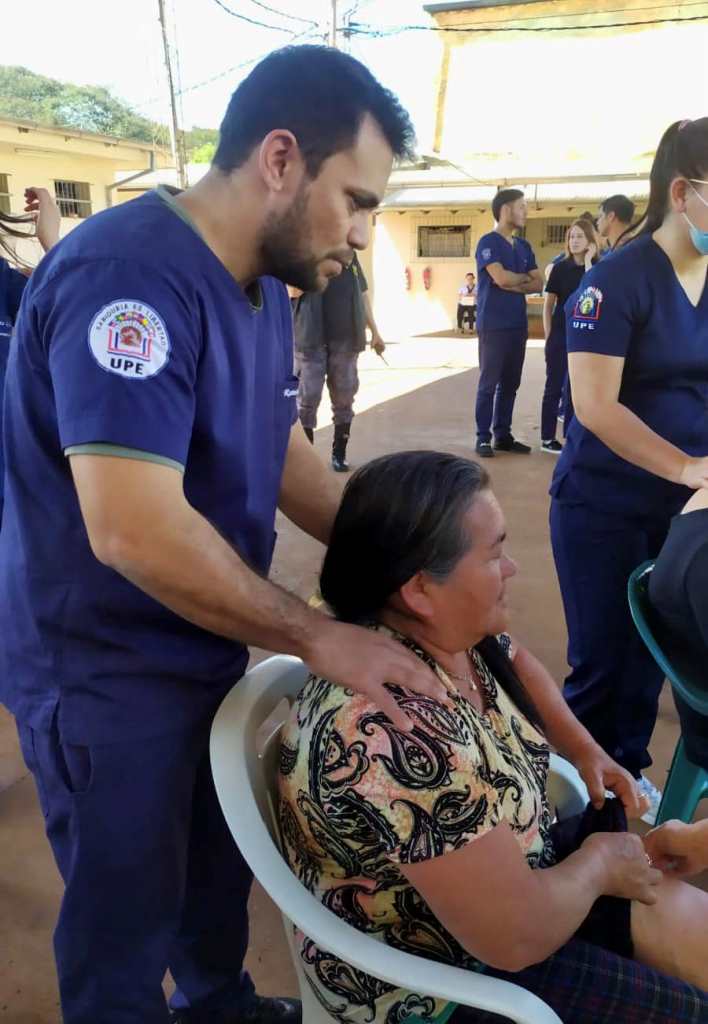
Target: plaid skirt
x,y
592,978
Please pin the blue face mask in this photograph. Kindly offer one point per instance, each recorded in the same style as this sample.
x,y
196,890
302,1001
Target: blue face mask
x,y
698,237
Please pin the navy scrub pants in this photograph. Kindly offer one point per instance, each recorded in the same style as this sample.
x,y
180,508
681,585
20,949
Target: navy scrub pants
x,y
556,373
153,878
501,360
614,683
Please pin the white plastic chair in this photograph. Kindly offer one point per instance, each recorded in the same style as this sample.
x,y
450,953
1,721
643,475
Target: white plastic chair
x,y
246,784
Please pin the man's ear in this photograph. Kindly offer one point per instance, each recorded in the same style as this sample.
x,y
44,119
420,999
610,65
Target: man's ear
x,y
415,598
280,161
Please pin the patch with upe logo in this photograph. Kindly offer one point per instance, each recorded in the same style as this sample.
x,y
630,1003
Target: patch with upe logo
x,y
130,339
588,304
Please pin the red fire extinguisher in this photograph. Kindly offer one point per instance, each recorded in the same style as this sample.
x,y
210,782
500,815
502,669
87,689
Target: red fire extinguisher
x,y
427,278
408,279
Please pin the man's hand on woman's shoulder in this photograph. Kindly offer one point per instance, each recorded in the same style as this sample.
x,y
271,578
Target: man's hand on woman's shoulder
x,y
366,661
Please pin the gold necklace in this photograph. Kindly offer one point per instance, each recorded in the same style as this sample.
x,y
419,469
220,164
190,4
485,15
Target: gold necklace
x,y
462,678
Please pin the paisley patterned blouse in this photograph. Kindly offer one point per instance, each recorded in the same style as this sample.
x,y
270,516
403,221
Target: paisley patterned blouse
x,y
358,798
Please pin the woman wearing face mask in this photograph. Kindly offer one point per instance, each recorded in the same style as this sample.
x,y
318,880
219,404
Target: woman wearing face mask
x,y
637,334
565,277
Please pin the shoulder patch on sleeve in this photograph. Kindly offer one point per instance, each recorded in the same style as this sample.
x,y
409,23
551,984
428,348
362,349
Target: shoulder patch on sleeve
x,y
129,338
588,304
486,254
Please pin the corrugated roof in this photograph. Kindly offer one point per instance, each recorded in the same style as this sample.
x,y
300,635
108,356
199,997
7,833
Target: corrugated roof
x,y
472,195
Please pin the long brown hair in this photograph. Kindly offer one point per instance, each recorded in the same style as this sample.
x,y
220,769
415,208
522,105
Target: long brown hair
x,y
682,152
8,228
588,230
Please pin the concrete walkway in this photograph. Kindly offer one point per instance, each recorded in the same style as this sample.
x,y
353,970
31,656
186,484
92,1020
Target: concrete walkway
x,y
423,399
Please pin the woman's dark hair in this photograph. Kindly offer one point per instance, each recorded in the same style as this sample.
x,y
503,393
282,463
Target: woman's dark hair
x,y
683,151
403,514
319,94
504,196
8,227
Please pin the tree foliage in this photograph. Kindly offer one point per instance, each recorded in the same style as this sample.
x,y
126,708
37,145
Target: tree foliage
x,y
27,96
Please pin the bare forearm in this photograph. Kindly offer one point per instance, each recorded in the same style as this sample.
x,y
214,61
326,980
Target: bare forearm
x,y
314,512
563,897
309,493
547,320
512,281
527,925
561,727
193,571
533,282
630,438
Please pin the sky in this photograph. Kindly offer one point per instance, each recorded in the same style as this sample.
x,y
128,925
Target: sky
x,y
118,45
585,103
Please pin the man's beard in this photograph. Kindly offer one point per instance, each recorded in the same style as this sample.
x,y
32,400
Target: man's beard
x,y
286,250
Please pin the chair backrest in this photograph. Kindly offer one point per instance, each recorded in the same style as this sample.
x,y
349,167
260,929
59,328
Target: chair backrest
x,y
244,737
246,783
688,678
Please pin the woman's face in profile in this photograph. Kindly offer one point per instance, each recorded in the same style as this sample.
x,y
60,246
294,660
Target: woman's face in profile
x,y
471,603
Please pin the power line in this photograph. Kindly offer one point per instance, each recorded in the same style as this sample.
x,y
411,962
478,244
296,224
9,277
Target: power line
x,y
244,64
283,14
177,150
372,32
251,21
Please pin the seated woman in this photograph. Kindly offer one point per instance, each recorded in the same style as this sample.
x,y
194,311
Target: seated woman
x,y
439,841
677,590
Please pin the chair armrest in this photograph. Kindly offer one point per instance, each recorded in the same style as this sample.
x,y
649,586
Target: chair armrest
x,y
453,984
566,790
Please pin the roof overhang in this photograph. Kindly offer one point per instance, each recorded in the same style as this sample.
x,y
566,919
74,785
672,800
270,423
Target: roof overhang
x,y
475,5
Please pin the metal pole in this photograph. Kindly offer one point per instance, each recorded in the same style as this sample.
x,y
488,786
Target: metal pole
x,y
177,150
333,31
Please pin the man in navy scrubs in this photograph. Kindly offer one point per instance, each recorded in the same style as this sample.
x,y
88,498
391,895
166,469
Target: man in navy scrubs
x,y
614,219
506,274
150,405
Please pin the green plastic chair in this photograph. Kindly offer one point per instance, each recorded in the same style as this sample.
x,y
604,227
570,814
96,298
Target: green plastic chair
x,y
687,783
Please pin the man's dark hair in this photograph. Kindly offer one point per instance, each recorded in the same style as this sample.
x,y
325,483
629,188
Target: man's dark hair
x,y
621,206
469,274
504,196
319,94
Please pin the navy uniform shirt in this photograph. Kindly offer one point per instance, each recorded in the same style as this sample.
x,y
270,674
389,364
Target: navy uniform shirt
x,y
497,309
12,285
133,335
335,317
632,305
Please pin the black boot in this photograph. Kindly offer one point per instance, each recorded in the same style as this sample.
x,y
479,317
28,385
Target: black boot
x,y
310,434
339,448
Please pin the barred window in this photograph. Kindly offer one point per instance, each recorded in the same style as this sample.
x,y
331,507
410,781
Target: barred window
x,y
555,233
451,240
73,198
4,194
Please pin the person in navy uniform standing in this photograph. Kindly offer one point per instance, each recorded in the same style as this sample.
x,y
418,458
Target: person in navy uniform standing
x,y
614,221
506,274
43,213
637,333
150,436
563,281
